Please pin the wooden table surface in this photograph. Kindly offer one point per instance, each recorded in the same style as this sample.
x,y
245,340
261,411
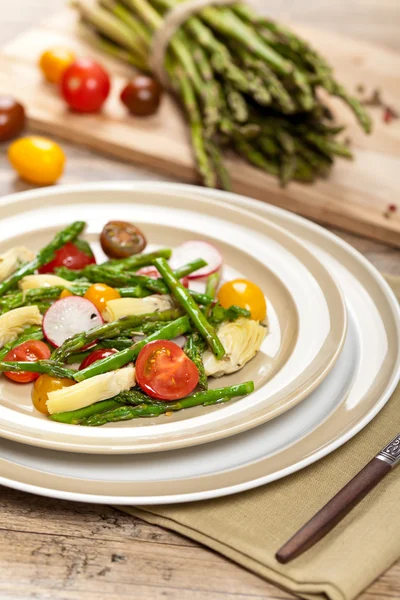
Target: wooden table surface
x,y
56,550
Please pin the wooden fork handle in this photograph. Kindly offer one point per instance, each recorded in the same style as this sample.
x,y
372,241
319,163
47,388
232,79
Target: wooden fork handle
x,y
335,510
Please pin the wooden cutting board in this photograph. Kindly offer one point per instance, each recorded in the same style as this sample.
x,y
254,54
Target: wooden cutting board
x,y
356,195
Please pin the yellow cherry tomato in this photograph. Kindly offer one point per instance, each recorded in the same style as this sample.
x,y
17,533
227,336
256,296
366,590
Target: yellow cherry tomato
x,y
54,61
37,159
245,294
43,386
64,294
100,294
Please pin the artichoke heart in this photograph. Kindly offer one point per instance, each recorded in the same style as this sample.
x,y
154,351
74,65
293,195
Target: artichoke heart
x,y
12,259
125,307
13,323
95,389
242,340
30,282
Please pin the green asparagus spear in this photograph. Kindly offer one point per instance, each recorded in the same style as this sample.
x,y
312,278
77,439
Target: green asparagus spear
x,y
109,330
37,295
206,398
183,297
48,367
212,284
219,314
74,417
131,263
194,349
30,333
116,361
44,256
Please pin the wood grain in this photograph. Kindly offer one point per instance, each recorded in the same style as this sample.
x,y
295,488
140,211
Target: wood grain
x,y
355,196
55,550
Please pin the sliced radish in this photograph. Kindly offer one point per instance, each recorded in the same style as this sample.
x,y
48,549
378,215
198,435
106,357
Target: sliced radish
x,y
189,251
69,316
154,274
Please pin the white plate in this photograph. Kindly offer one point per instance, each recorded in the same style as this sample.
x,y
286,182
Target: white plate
x,y
307,317
352,394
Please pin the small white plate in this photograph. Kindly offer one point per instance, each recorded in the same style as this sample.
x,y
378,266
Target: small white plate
x,y
353,393
307,317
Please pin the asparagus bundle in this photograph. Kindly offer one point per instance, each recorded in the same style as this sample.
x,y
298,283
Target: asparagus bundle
x,y
245,82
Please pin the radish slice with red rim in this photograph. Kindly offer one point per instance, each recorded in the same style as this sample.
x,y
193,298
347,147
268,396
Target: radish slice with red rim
x,y
189,251
69,316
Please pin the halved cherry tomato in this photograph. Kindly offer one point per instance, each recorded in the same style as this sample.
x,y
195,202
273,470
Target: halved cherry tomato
x,y
97,355
85,85
154,274
120,239
30,351
245,294
164,371
43,386
69,256
100,294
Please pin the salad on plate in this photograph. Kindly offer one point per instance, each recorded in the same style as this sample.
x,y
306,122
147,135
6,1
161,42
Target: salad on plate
x,y
129,337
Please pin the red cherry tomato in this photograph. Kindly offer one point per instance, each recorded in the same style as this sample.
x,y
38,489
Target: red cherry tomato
x,y
97,355
164,371
68,256
154,274
85,85
27,352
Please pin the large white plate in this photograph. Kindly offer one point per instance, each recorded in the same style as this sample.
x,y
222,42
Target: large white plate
x,y
307,317
351,395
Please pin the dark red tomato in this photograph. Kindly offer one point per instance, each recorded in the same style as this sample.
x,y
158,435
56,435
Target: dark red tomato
x,y
97,355
85,85
120,239
154,274
164,371
69,256
27,352
12,118
142,96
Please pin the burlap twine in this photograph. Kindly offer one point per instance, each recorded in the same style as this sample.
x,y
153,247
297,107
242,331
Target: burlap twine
x,y
173,20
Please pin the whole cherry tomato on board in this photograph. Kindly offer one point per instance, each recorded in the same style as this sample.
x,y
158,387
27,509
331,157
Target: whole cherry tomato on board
x,y
71,256
245,294
37,159
12,118
120,239
164,371
97,355
30,351
85,85
43,386
54,61
142,96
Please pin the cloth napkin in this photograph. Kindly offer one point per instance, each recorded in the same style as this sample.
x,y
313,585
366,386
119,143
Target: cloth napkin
x,y
249,527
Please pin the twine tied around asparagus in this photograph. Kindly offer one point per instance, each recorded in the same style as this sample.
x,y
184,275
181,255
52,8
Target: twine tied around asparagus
x,y
172,21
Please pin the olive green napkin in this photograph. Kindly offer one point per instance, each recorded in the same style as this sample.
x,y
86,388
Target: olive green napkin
x,y
251,526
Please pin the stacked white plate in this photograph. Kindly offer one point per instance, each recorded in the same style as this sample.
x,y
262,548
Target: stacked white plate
x,y
327,367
